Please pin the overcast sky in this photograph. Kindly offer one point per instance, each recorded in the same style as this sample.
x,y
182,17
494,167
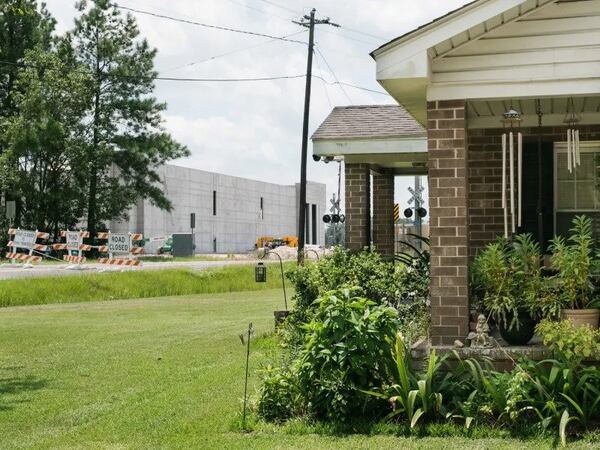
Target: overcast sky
x,y
254,130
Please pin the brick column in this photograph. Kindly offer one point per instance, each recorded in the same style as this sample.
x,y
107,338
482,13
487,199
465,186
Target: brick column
x,y
383,213
357,183
448,206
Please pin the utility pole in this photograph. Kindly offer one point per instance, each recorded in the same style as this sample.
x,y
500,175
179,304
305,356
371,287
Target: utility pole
x,y
307,22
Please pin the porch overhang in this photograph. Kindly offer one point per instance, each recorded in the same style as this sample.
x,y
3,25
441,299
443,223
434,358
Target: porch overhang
x,y
381,136
400,156
495,49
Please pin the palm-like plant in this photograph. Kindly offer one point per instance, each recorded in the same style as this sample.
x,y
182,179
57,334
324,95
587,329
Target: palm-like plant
x,y
414,395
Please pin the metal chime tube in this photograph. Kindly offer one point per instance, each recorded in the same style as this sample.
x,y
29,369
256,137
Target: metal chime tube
x,y
504,208
569,152
577,148
512,180
519,175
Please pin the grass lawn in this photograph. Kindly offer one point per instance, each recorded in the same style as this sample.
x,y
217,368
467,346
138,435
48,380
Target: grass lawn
x,y
153,373
135,284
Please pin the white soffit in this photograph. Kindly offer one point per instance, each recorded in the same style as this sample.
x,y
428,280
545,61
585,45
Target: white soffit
x,y
341,147
488,113
496,49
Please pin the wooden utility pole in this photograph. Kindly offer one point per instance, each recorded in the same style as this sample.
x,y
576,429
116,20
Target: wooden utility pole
x,y
308,22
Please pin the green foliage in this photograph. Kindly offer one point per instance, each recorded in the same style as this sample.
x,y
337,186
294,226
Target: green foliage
x,y
414,396
504,273
406,287
572,344
132,284
126,129
278,397
347,349
45,158
573,258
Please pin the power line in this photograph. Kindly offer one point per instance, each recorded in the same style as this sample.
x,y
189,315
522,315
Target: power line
x,y
352,86
232,52
334,75
323,81
207,80
352,30
268,2
159,78
206,25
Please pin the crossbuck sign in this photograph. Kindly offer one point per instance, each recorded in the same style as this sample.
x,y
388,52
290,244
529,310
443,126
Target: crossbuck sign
x,y
119,243
24,239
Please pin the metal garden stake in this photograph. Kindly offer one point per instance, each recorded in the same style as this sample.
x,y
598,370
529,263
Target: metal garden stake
x,y
250,331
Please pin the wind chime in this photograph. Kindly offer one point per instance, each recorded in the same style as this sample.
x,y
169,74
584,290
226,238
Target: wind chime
x,y
573,151
512,124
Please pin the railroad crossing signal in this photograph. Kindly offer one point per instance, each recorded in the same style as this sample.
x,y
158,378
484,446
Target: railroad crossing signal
x,y
416,195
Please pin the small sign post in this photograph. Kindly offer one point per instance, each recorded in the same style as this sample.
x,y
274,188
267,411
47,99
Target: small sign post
x,y
118,243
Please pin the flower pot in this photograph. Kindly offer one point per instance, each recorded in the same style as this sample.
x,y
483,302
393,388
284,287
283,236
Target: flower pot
x,y
520,335
581,317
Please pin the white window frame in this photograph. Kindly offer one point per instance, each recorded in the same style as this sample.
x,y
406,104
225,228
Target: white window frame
x,y
561,147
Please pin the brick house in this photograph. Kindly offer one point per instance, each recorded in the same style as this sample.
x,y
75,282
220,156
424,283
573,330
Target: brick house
x,y
454,79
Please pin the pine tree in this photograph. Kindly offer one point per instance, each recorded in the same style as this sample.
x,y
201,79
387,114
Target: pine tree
x,y
127,142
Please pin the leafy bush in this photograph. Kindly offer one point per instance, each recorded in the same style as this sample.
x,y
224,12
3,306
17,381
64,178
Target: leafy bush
x,y
573,258
347,349
568,342
404,286
414,396
504,274
278,398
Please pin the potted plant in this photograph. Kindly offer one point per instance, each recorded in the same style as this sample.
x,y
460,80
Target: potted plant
x,y
505,272
573,259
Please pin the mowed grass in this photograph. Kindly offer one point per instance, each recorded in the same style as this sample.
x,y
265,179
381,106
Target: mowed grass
x,y
134,284
162,373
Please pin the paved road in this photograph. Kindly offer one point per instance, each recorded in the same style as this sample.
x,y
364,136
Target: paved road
x,y
9,272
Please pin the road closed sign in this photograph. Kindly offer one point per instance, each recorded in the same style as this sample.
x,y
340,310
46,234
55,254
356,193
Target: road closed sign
x,y
24,238
73,240
118,243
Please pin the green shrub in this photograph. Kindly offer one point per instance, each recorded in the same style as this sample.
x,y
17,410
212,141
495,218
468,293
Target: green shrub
x,y
504,276
347,349
414,396
569,343
279,398
404,286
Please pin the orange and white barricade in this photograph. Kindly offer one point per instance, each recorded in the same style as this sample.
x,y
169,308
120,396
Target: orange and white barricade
x,y
74,246
121,249
25,240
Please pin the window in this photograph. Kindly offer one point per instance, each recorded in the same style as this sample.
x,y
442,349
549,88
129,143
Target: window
x,y
314,224
576,192
262,208
214,203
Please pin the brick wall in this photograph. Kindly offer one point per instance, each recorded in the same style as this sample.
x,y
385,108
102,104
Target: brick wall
x,y
486,217
357,211
448,205
383,213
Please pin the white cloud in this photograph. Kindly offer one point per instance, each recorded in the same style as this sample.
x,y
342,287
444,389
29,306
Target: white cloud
x,y
254,129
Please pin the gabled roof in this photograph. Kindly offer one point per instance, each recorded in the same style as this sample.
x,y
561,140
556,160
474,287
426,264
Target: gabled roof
x,y
424,27
368,122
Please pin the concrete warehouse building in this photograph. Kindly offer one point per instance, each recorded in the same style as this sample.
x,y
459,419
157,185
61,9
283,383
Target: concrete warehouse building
x,y
231,212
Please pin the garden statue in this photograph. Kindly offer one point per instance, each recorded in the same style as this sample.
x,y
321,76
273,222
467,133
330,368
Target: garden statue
x,y
480,338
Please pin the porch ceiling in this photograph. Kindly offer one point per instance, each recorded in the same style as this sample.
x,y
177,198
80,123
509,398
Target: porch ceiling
x,y
488,113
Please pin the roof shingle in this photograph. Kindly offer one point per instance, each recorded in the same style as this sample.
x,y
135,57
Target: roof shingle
x,y
368,121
